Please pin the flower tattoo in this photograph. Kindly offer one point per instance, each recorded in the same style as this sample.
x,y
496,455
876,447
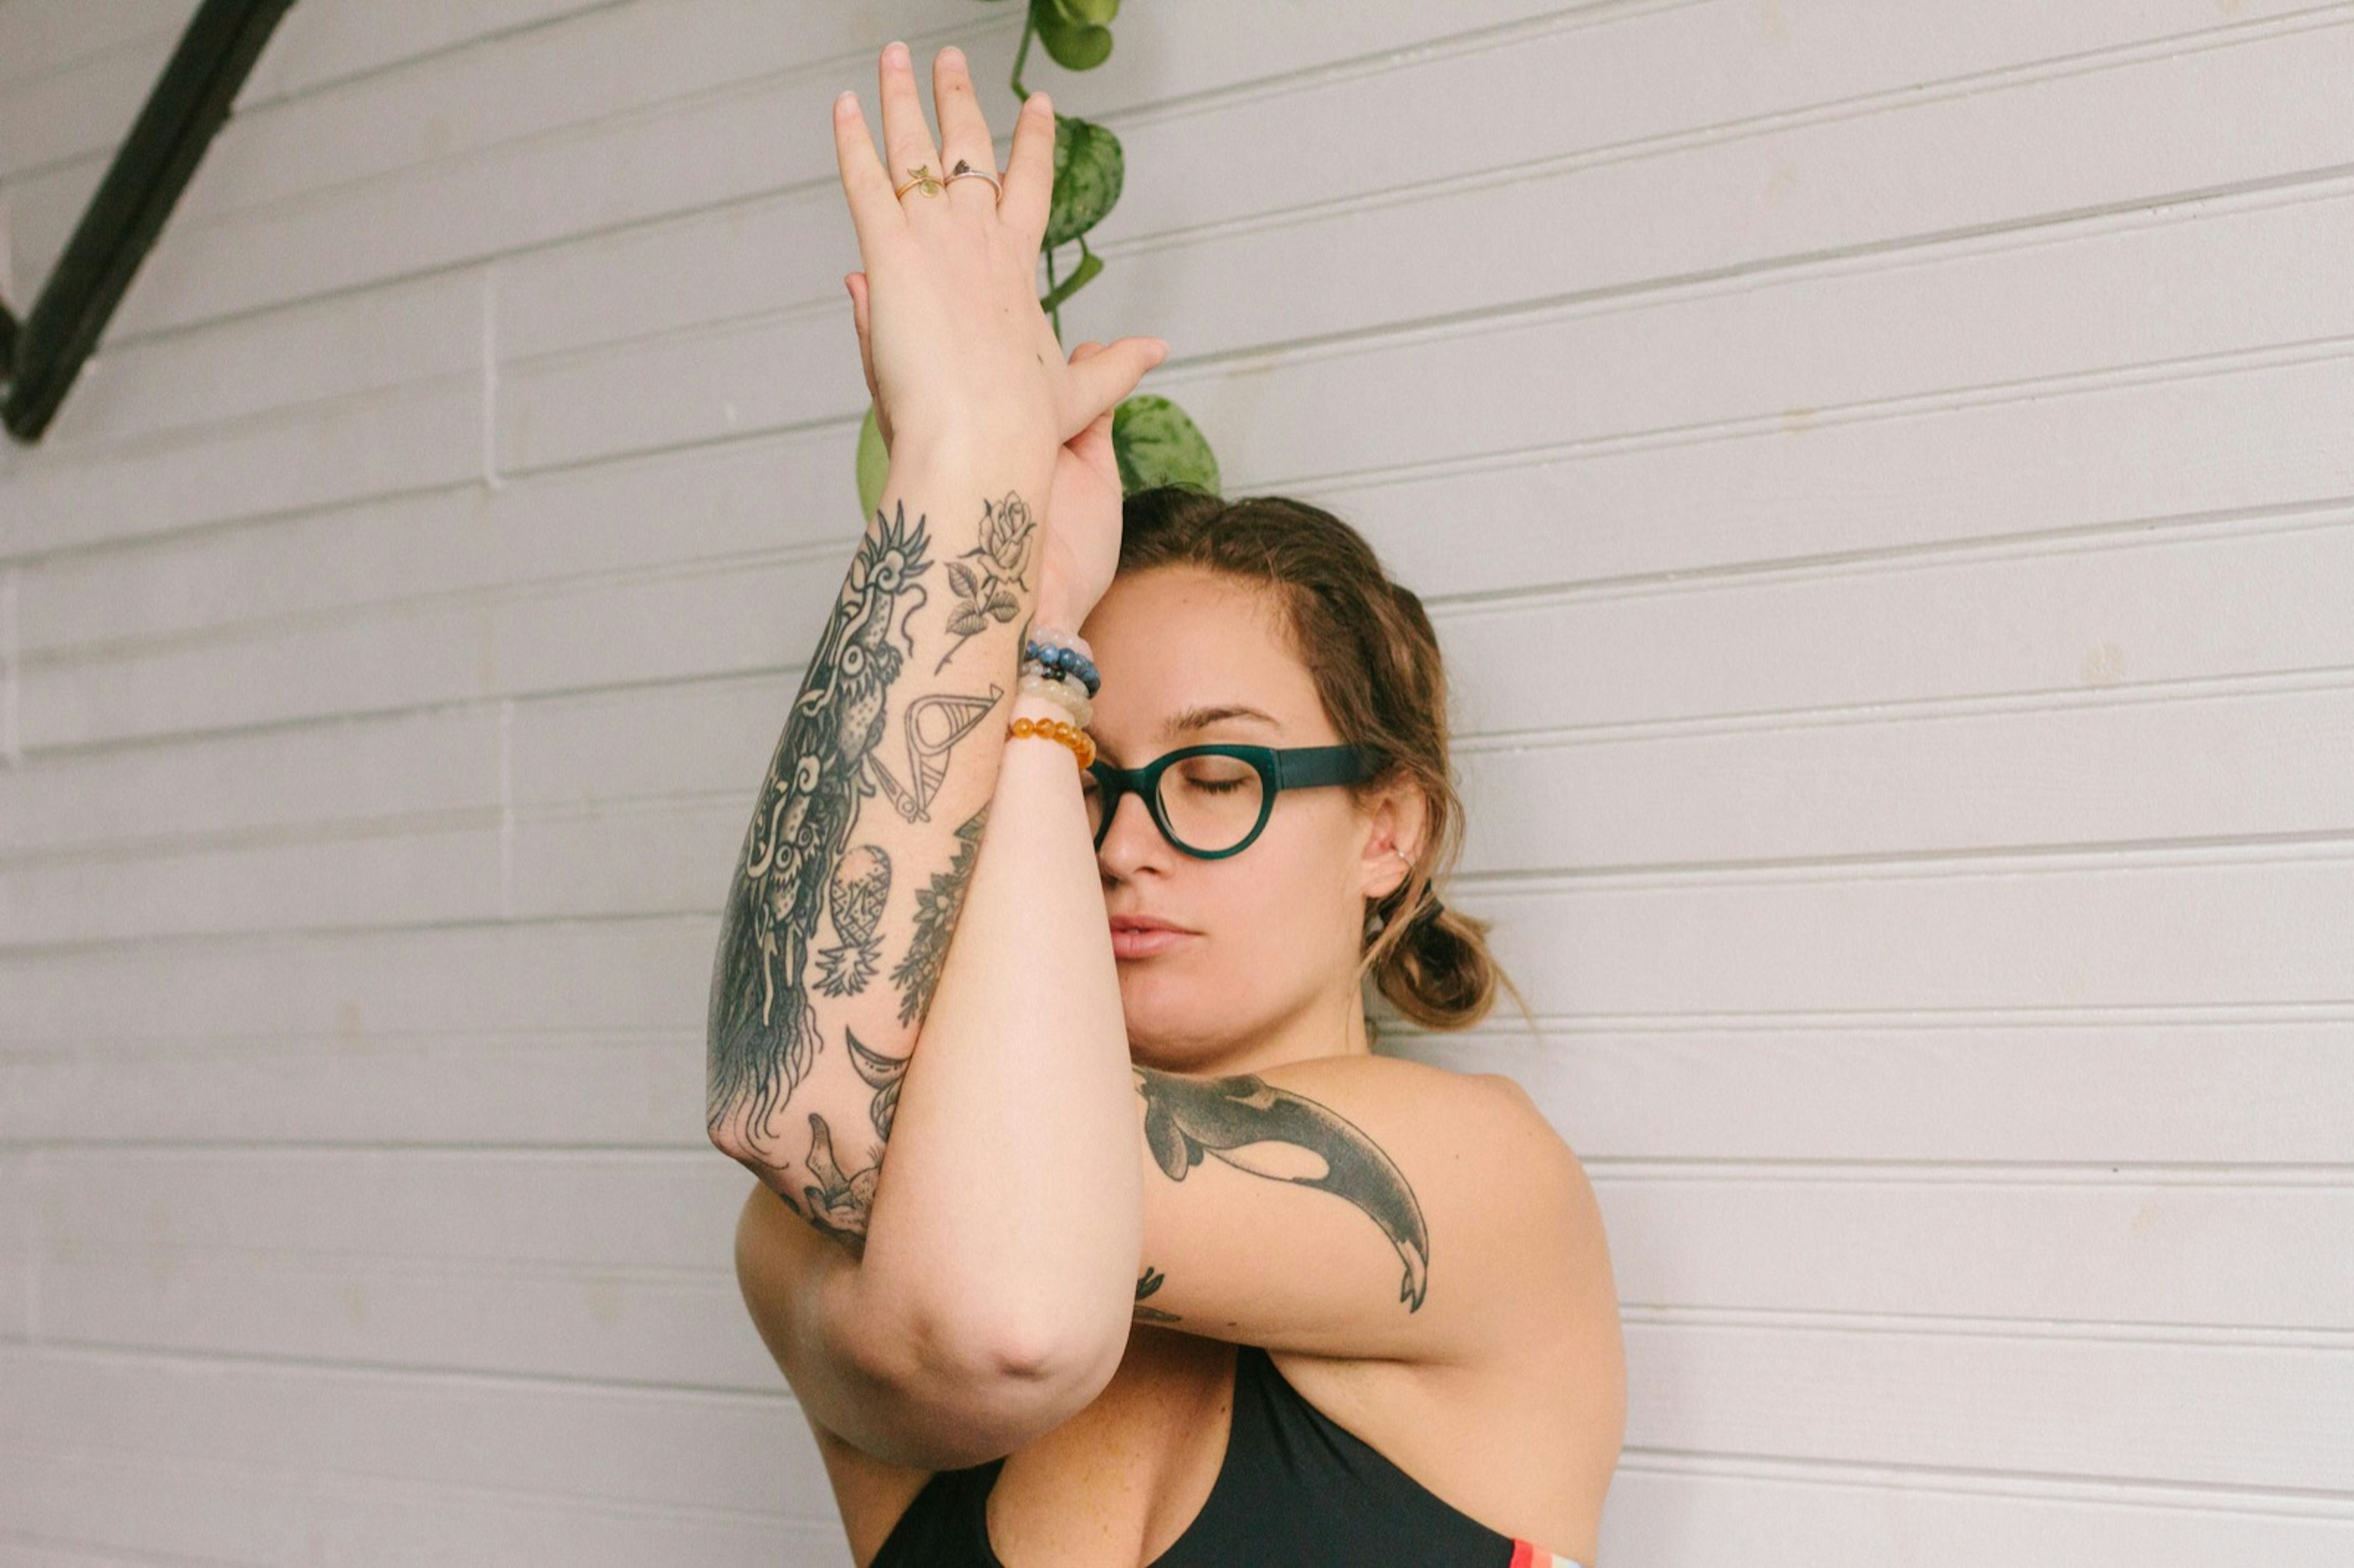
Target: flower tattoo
x,y
1006,532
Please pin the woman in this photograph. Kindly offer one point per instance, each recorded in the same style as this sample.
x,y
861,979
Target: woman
x,y
1168,1268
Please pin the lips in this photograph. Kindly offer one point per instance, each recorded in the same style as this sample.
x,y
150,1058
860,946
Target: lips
x,y
1142,936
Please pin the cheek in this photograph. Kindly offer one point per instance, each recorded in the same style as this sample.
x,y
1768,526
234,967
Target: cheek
x,y
1293,905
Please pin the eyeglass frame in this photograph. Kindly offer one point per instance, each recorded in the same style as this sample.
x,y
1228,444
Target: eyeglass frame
x,y
1280,768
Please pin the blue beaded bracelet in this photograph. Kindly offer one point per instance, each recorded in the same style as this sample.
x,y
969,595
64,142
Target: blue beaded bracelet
x,y
1068,660
1061,674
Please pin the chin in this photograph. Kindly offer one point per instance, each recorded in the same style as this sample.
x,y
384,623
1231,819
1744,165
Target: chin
x,y
1178,1040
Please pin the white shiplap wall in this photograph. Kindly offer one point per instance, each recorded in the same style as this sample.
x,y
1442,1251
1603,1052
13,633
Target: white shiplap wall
x,y
1882,472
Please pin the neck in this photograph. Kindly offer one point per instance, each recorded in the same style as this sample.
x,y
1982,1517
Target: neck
x,y
1332,1024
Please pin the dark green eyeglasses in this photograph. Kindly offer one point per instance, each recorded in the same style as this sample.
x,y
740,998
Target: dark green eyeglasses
x,y
1211,801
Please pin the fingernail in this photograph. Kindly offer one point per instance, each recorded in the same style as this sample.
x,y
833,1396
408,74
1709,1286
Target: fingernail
x,y
896,51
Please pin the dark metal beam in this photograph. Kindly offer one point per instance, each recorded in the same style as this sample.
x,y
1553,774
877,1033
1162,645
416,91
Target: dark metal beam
x,y
45,351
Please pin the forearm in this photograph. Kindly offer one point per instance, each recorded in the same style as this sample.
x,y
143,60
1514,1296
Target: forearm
x,y
1015,1193
851,873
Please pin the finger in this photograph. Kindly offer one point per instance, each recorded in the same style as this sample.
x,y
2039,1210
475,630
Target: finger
x,y
859,307
964,129
907,138
1030,169
873,213
861,320
1103,379
1079,441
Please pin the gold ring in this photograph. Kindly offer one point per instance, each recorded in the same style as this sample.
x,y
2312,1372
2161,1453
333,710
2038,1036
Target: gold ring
x,y
924,177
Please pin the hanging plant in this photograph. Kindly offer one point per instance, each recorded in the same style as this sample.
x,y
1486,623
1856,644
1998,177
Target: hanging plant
x,y
1152,437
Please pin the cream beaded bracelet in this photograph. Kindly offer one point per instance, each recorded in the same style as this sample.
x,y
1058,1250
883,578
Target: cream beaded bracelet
x,y
1062,692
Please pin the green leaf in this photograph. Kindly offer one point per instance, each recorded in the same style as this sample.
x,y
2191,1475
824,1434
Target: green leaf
x,y
1156,444
1074,45
873,464
1089,169
1086,13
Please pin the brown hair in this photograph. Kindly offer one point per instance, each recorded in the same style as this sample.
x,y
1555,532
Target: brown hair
x,y
1368,644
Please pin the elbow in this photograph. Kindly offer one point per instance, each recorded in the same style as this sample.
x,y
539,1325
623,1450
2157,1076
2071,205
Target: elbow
x,y
731,1135
727,1134
968,1392
1034,1351
731,1141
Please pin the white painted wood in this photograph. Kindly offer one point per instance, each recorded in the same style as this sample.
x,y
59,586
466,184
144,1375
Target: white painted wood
x,y
2261,1410
1880,477
80,109
1670,1508
2198,1086
315,47
20,1220
47,37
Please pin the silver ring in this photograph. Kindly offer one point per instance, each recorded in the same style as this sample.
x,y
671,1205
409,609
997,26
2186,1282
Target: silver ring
x,y
964,171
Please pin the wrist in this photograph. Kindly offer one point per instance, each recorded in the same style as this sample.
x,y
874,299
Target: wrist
x,y
966,442
1035,721
1055,610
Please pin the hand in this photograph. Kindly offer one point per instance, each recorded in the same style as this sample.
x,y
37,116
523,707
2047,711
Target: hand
x,y
1082,504
1083,521
956,341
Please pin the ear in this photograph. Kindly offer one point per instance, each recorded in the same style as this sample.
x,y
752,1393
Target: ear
x,y
1395,820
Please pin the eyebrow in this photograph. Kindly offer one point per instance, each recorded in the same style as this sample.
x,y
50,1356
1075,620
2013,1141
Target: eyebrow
x,y
1188,719
1185,720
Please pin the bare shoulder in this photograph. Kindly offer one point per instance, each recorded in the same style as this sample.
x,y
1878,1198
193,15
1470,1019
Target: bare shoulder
x,y
1524,1430
1563,1278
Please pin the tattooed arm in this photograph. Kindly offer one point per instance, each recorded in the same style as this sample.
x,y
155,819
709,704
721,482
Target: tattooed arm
x,y
871,825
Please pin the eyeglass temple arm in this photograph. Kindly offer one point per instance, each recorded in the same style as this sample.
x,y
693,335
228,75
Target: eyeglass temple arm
x,y
1306,766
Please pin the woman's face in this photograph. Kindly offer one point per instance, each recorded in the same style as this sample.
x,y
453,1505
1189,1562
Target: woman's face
x,y
1271,936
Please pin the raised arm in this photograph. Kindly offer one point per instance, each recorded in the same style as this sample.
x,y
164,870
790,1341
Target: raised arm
x,y
876,813
853,869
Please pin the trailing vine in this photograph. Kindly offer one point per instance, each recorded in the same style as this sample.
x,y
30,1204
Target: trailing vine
x,y
1153,439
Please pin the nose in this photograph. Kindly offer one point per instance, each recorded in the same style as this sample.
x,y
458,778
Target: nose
x,y
1119,846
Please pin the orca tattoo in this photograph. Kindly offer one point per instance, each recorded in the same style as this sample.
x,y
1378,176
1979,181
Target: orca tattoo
x,y
1186,1118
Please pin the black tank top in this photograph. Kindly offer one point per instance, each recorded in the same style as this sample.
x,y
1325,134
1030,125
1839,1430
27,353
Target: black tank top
x,y
1296,1488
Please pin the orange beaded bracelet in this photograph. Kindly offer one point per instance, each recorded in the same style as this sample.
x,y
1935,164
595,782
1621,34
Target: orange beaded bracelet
x,y
1082,745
